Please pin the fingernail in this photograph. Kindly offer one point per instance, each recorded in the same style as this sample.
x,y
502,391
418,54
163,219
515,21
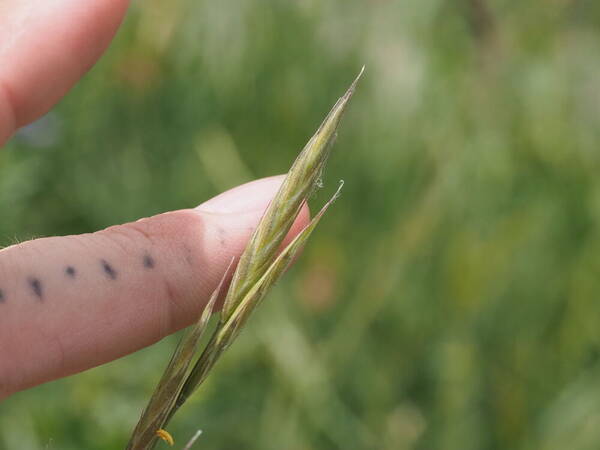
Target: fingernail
x,y
245,198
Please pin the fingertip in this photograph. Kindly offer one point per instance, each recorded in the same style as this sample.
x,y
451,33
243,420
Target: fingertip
x,y
247,197
57,43
102,314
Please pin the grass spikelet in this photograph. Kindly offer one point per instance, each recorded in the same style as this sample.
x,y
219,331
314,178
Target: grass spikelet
x,y
296,188
259,267
229,329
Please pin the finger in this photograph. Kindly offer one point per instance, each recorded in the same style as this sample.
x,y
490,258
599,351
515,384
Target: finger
x,y
45,47
71,303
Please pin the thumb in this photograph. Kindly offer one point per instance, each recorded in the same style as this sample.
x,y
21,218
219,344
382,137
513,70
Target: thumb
x,y
75,302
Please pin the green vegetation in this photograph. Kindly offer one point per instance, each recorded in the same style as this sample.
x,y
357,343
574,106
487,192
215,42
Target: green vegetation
x,y
450,300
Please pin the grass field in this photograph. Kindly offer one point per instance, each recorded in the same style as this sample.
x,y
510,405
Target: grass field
x,y
451,297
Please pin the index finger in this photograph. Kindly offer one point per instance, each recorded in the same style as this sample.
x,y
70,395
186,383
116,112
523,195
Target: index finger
x,y
45,47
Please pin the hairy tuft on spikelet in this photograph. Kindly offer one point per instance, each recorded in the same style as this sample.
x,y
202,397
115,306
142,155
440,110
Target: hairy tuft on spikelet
x,y
259,267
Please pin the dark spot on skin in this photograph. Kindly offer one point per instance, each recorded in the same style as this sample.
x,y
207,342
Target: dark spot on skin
x,y
70,271
36,286
222,233
108,270
2,298
188,255
149,261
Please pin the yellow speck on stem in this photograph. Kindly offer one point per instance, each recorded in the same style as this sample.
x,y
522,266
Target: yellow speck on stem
x,y
165,436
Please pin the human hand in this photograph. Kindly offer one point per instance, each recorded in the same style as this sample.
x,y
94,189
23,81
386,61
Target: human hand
x,y
75,302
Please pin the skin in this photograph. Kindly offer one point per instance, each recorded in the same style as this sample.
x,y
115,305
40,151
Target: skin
x,y
74,302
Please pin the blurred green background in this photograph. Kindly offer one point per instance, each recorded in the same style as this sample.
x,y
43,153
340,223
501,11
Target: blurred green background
x,y
451,298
